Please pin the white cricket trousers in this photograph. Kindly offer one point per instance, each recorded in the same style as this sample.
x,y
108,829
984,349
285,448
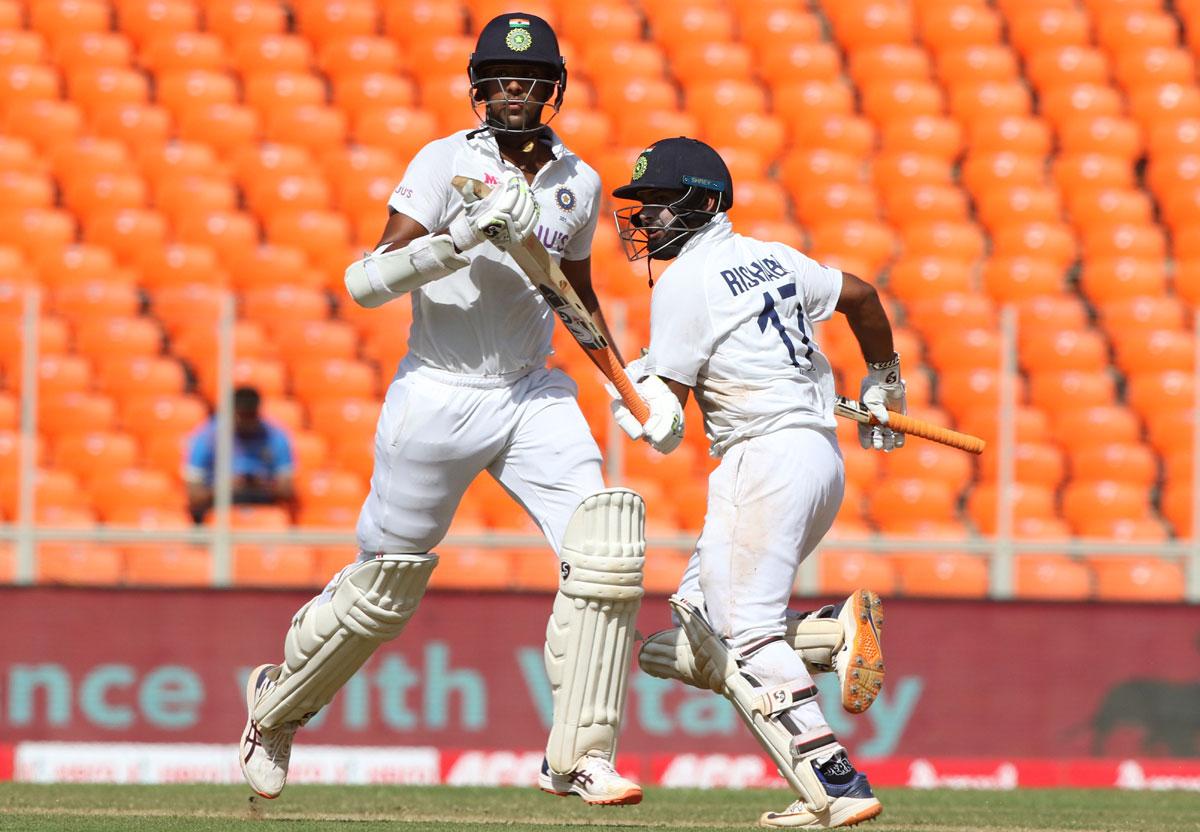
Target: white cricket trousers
x,y
437,431
770,501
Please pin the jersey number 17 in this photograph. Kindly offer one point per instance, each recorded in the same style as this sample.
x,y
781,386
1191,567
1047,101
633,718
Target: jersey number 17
x,y
770,317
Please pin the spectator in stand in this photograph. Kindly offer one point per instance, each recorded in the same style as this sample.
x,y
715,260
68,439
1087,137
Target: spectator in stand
x,y
262,459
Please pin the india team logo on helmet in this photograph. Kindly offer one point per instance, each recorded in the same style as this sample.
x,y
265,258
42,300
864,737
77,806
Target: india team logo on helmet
x,y
639,167
564,197
518,38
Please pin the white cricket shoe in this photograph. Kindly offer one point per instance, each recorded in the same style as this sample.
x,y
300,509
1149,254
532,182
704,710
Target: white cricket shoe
x,y
264,755
595,780
859,661
851,800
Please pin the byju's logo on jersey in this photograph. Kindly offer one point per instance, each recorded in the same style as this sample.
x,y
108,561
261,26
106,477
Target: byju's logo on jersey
x,y
565,199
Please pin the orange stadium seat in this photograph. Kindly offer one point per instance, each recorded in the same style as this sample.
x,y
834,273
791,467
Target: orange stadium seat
x,y
885,99
1034,28
798,60
842,572
1125,578
1049,389
1082,501
145,415
1120,462
273,566
653,124
271,51
916,278
225,127
1086,426
239,19
594,22
690,23
1121,29
1138,66
845,134
175,51
268,91
230,233
895,504
963,241
60,18
957,25
139,125
180,266
1056,66
866,24
1109,206
1154,103
27,190
1018,204
930,135
92,88
990,99
310,451
43,122
812,99
359,93
983,171
1028,500
90,156
323,235
1024,136
1052,578
707,61
892,169
145,19
1053,242
837,201
1150,389
167,564
871,242
1155,349
887,62
22,48
314,380
941,574
325,22
977,64
1046,349
103,297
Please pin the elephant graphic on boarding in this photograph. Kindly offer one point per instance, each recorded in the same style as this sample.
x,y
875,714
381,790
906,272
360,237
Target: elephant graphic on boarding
x,y
1168,713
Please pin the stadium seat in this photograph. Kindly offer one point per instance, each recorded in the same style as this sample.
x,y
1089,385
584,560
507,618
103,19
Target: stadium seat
x,y
167,564
964,349
1035,463
941,574
124,376
182,51
1025,136
977,64
1053,242
1028,500
1080,427
1045,350
917,278
144,125
990,99
1049,389
273,566
1052,578
1035,28
1125,578
931,135
895,504
1132,463
886,99
1058,66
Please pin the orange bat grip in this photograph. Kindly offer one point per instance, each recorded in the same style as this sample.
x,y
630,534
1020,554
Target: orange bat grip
x,y
935,433
606,360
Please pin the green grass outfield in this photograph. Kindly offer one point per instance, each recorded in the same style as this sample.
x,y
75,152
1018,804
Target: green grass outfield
x,y
199,808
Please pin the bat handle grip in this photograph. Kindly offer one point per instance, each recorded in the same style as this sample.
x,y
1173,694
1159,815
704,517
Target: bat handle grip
x,y
935,433
616,374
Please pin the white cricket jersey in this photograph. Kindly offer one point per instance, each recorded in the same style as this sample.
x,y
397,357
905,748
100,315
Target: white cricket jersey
x,y
732,317
488,319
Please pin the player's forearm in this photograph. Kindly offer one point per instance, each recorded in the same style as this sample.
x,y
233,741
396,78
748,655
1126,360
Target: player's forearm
x,y
867,318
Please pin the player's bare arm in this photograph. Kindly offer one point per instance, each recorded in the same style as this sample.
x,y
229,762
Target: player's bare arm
x,y
400,230
868,320
882,389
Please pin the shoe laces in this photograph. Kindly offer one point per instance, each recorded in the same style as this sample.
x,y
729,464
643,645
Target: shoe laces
x,y
601,769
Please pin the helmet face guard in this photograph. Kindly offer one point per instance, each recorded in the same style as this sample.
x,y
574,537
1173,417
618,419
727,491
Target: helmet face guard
x,y
644,234
503,109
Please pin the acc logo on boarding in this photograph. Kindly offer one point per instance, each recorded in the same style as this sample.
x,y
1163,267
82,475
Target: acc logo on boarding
x,y
565,199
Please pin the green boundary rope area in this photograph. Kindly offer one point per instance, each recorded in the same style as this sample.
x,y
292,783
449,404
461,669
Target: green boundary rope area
x,y
200,808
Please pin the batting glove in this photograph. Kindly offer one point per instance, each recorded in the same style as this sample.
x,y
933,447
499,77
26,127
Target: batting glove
x,y
663,431
882,391
505,216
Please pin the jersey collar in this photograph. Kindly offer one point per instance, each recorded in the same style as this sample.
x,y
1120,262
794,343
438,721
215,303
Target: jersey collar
x,y
718,228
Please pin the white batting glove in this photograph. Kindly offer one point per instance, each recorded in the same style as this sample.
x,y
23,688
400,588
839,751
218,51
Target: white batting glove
x,y
882,391
506,216
663,431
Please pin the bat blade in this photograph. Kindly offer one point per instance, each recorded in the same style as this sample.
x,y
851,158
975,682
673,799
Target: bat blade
x,y
546,276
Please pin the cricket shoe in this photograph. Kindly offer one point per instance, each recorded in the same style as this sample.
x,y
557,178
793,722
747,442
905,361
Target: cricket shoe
x,y
859,661
851,800
264,754
595,781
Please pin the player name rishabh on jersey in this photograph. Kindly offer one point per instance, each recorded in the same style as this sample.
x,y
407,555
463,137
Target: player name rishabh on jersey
x,y
742,278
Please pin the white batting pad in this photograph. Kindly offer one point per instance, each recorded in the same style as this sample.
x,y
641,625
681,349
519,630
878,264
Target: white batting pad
x,y
668,653
759,708
589,639
334,634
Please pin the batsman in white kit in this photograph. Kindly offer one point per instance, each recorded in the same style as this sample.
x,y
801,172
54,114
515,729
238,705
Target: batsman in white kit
x,y
731,319
472,395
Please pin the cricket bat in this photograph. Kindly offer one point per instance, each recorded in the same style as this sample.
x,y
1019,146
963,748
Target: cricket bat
x,y
853,409
548,279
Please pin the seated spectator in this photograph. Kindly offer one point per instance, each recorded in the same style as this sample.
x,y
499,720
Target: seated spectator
x,y
262,459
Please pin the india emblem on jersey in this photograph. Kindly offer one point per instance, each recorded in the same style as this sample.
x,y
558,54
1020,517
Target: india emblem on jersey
x,y
564,197
518,38
639,167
